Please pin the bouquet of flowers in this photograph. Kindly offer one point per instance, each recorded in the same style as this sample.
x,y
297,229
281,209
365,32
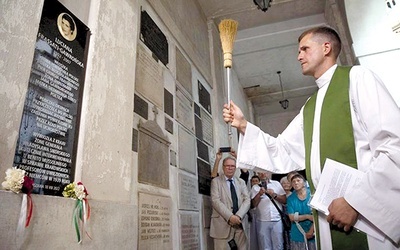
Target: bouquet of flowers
x,y
81,214
17,182
75,191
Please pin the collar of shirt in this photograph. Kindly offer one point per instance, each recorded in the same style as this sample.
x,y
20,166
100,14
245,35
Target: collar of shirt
x,y
227,179
326,77
228,183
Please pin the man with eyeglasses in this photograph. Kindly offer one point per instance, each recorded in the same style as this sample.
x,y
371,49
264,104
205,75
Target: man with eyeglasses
x,y
230,202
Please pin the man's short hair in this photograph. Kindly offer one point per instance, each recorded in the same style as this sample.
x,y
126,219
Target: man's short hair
x,y
229,158
327,33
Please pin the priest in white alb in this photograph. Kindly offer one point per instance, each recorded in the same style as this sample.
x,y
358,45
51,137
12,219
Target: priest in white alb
x,y
351,119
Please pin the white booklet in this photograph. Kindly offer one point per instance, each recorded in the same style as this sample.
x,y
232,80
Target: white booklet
x,y
336,179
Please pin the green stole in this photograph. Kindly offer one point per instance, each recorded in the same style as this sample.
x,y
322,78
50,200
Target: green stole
x,y
336,143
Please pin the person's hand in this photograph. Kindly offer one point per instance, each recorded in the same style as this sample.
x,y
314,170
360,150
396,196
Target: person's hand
x,y
233,153
218,155
234,115
310,235
342,214
262,191
270,192
234,220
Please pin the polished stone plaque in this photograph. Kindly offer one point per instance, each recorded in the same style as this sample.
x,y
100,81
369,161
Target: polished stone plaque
x,y
152,141
154,222
187,150
204,177
197,109
204,97
207,127
168,103
183,71
207,211
153,37
198,127
48,135
190,230
141,107
188,192
169,125
184,110
202,151
149,78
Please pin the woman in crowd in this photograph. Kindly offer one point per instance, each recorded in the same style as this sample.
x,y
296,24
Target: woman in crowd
x,y
302,231
287,186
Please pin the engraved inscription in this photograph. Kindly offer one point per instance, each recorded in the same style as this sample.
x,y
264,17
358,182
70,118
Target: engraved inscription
x,y
202,151
190,231
184,110
204,177
204,97
183,71
187,150
141,107
188,193
153,37
207,127
154,222
149,78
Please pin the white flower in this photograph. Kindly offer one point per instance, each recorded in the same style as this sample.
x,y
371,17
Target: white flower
x,y
80,191
14,179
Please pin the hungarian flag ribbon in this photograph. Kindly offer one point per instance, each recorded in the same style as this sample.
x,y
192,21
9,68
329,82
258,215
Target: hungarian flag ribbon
x,y
80,216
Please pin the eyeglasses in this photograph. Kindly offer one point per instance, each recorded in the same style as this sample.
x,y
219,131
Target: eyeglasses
x,y
230,166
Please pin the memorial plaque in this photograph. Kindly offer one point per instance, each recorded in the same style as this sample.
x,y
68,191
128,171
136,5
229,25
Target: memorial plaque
x,y
184,110
135,140
187,150
207,127
168,103
207,211
169,125
188,191
152,141
190,231
204,177
149,78
152,36
48,135
202,151
198,127
204,97
141,107
183,72
197,109
154,222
